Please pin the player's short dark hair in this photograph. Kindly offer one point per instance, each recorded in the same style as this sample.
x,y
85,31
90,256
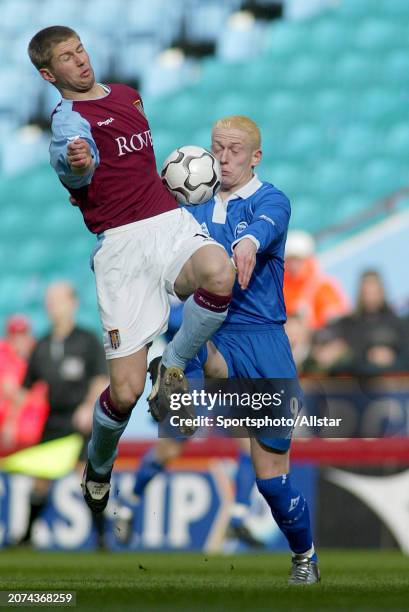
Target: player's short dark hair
x,y
40,48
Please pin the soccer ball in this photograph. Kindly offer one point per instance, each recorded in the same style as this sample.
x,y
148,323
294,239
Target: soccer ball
x,y
192,174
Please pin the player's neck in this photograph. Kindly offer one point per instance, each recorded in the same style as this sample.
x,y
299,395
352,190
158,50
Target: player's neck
x,y
96,91
225,194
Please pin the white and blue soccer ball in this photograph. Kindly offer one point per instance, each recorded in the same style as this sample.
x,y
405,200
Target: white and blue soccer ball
x,y
192,174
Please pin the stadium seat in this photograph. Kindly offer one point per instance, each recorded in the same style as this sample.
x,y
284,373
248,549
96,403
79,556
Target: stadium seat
x,y
395,68
303,141
353,9
205,20
382,176
285,38
397,9
330,37
355,142
354,69
397,140
378,34
305,72
132,57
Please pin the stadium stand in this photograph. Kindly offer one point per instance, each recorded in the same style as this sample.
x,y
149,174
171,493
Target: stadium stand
x,y
329,93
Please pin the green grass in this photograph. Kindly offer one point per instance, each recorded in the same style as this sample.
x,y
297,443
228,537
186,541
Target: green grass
x,y
354,581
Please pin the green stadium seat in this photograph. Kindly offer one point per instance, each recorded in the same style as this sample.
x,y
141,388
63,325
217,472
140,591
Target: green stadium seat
x,y
382,176
306,72
397,140
304,141
378,34
396,9
285,39
330,37
305,215
290,177
355,142
395,68
357,9
378,104
355,70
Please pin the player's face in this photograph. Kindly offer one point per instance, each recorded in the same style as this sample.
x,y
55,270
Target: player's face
x,y
70,68
237,156
61,303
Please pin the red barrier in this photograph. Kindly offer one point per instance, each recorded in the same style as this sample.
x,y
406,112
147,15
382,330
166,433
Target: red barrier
x,y
345,451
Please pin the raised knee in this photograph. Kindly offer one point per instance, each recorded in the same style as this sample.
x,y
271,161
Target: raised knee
x,y
218,275
125,396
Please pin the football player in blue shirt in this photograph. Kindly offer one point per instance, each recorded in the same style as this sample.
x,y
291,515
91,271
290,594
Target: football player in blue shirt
x,y
250,218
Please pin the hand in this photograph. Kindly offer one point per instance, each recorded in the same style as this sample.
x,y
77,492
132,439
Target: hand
x,y
244,257
82,418
73,201
79,155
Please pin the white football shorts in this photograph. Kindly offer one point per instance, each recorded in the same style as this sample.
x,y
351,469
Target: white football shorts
x,y
136,266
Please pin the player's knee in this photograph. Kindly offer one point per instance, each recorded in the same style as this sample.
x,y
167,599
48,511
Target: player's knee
x,y
217,275
125,396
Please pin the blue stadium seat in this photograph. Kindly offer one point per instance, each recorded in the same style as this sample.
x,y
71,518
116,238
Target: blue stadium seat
x,y
205,19
133,57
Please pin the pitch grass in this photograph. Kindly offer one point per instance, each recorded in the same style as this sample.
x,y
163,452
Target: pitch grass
x,y
351,581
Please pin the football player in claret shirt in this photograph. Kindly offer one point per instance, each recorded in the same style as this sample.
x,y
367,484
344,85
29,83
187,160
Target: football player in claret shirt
x,y
101,149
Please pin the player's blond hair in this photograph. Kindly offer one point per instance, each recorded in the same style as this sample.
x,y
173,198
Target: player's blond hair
x,y
242,123
41,46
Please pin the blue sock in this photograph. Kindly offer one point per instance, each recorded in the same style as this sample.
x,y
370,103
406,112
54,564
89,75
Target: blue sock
x,y
245,478
290,511
148,468
106,431
203,314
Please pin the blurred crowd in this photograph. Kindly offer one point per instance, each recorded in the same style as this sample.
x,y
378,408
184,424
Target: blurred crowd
x,y
328,335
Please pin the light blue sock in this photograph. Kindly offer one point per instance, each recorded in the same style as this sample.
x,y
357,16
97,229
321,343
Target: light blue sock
x,y
103,446
203,314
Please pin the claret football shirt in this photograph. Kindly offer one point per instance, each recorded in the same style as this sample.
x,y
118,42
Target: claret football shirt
x,y
125,186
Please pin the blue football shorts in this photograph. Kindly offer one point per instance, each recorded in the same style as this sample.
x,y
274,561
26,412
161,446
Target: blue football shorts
x,y
254,351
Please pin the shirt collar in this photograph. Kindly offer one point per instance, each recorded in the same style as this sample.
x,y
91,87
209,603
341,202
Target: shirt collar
x,y
248,189
220,206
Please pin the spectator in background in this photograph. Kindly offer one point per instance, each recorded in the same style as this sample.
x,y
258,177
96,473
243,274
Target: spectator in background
x,y
330,353
72,363
299,334
15,349
383,353
307,290
372,312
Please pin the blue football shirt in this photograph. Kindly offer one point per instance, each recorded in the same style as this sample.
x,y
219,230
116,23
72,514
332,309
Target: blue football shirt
x,y
260,212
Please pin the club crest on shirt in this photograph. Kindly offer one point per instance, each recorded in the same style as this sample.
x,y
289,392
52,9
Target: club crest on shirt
x,y
114,338
138,105
240,227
